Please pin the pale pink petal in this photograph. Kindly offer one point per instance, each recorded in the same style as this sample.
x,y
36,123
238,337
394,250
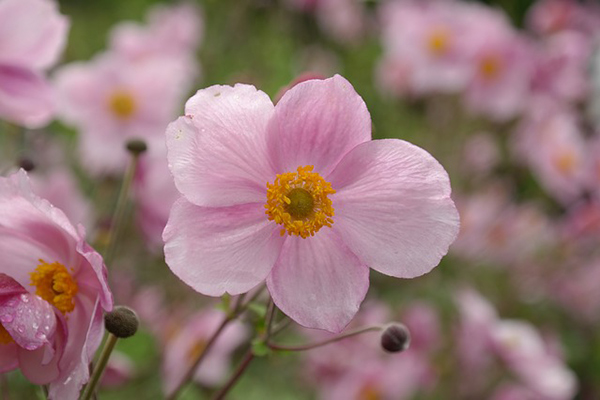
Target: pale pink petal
x,y
218,250
318,281
393,207
217,152
316,123
26,317
25,97
39,366
32,33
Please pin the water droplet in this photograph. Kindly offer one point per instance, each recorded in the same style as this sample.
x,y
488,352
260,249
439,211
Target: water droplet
x,y
24,298
20,329
7,318
30,346
40,336
11,302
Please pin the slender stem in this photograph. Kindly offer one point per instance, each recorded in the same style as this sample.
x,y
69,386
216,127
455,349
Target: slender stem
x,y
190,372
280,326
248,357
269,318
119,214
100,366
334,339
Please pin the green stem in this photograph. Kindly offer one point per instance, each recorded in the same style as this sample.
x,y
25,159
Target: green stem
x,y
190,372
119,214
100,366
248,357
334,339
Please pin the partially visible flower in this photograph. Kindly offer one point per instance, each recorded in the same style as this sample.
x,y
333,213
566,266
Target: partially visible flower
x,y
186,344
298,195
53,291
32,36
111,100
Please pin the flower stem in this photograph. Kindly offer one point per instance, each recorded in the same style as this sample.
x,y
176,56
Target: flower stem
x,y
190,372
102,361
119,214
334,339
248,357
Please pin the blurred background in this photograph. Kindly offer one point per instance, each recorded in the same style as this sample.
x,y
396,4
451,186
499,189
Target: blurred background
x,y
505,94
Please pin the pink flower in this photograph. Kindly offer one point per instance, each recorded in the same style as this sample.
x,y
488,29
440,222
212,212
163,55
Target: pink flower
x,y
111,100
299,195
53,292
171,31
501,67
426,40
119,370
186,345
32,36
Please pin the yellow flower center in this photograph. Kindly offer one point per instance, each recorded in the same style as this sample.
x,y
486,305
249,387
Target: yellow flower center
x,y
299,202
122,104
566,162
55,285
369,392
5,337
490,67
438,41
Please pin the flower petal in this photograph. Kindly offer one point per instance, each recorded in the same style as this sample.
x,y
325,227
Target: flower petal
x,y
393,207
316,123
25,316
25,97
217,152
218,250
318,281
9,360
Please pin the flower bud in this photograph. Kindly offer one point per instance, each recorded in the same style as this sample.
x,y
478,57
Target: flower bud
x,y
395,338
121,322
136,146
26,163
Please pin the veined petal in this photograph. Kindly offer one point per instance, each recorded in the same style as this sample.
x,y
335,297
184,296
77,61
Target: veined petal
x,y
217,152
393,207
316,123
318,281
218,250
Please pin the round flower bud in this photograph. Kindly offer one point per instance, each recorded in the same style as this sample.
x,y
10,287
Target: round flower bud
x,y
136,146
395,338
121,322
26,163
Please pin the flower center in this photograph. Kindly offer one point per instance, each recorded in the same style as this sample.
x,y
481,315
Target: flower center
x,y
299,202
566,162
5,337
122,104
369,392
55,285
490,67
438,41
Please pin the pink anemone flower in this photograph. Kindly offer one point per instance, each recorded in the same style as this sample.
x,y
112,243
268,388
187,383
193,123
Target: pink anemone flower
x,y
32,36
299,195
53,292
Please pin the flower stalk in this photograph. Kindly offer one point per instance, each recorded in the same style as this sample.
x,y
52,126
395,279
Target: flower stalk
x,y
111,341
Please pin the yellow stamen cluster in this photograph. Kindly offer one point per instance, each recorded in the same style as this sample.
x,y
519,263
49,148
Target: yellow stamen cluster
x,y
490,67
55,285
566,162
438,41
5,337
122,104
299,202
369,392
